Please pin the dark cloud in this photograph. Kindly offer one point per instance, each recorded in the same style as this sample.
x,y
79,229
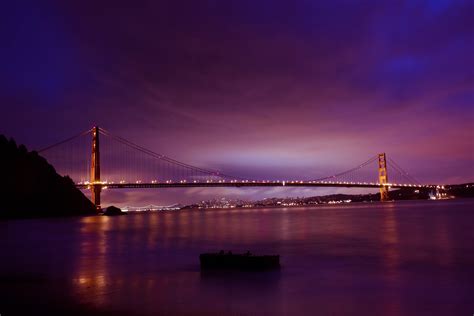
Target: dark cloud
x,y
271,88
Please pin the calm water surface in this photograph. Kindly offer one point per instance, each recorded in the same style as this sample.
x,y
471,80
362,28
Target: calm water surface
x,y
404,258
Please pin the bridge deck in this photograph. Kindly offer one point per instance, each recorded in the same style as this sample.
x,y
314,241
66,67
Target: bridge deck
x,y
238,184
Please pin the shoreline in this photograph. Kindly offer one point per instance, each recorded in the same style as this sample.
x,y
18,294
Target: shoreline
x,y
291,206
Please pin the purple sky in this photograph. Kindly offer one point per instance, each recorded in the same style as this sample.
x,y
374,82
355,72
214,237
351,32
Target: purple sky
x,y
267,89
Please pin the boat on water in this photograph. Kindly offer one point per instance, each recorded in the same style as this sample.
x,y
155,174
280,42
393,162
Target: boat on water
x,y
245,261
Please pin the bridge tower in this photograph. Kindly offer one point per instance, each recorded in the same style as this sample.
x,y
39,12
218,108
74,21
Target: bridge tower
x,y
96,186
383,177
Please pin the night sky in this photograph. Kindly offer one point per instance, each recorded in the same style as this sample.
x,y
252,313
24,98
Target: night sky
x,y
262,89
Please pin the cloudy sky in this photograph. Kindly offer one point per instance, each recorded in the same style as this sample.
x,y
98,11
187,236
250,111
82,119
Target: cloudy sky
x,y
265,89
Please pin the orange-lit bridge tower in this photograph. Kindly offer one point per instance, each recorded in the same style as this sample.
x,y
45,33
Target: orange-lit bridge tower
x,y
383,178
96,186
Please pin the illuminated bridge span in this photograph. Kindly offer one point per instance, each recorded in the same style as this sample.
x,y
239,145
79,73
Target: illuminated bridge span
x,y
116,163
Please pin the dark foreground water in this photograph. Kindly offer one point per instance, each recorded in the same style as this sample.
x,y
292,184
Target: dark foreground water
x,y
404,258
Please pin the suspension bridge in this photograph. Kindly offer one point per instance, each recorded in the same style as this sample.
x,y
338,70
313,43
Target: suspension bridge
x,y
116,163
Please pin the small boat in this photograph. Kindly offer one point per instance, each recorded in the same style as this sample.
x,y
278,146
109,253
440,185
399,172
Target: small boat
x,y
245,261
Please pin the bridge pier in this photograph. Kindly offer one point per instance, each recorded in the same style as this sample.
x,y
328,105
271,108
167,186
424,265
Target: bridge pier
x,y
96,189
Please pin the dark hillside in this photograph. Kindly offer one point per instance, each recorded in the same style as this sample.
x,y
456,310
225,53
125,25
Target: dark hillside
x,y
30,186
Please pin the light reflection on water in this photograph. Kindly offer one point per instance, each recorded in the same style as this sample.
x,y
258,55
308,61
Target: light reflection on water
x,y
406,258
389,237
